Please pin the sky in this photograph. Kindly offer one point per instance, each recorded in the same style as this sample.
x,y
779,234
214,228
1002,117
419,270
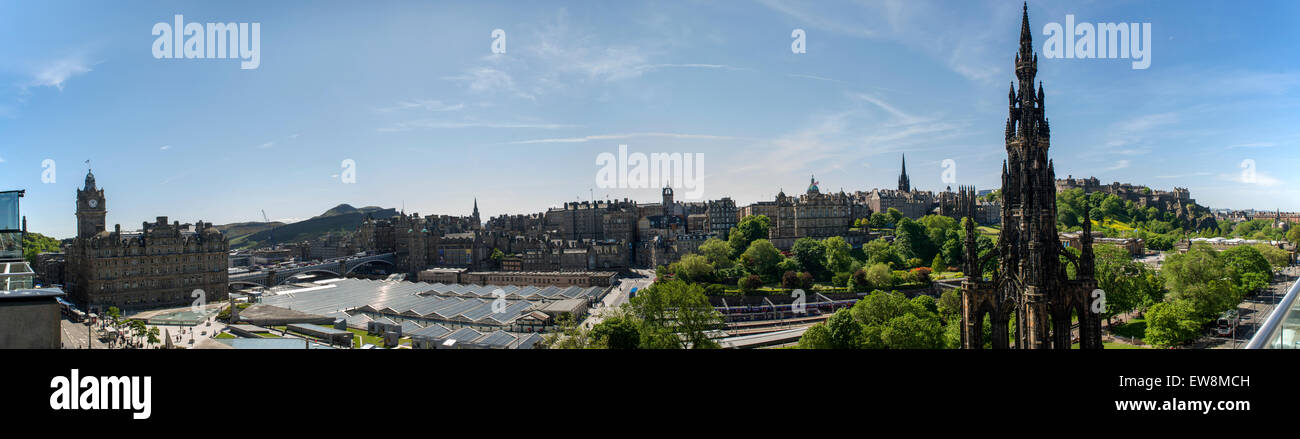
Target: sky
x,y
431,118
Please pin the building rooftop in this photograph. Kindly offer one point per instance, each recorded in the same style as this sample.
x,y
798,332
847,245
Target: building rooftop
x,y
31,294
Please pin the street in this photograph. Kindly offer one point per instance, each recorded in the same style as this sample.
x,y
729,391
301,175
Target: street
x,y
618,296
1254,311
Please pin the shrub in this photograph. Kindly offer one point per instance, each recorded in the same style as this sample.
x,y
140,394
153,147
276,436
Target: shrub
x,y
806,280
790,280
922,274
750,283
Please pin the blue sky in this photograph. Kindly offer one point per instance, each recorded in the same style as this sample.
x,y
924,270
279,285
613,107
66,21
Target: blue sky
x,y
413,94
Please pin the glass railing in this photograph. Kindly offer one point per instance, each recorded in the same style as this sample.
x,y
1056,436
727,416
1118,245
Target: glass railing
x,y
16,276
1282,329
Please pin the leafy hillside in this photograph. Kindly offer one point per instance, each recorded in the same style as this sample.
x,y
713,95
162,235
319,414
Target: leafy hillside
x,y
36,243
340,219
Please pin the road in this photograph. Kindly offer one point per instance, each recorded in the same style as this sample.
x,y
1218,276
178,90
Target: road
x,y
77,335
618,296
1254,311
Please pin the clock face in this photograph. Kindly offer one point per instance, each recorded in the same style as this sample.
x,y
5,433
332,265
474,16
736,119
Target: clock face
x,y
94,203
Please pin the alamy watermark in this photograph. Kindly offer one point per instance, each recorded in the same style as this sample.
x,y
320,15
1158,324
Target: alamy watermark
x,y
1103,40
638,171
210,40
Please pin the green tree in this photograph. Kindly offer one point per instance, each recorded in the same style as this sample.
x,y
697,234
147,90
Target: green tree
x,y
748,230
924,304
910,331
1275,256
1248,268
881,251
718,253
36,243
1171,323
811,255
817,336
858,282
1128,284
675,315
692,268
879,220
616,333
913,241
845,332
937,265
790,280
762,258
749,284
880,307
949,304
894,215
880,276
839,254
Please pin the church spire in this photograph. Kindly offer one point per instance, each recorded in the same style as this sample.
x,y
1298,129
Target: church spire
x,y
904,184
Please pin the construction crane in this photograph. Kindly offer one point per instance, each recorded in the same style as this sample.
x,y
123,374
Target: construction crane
x,y
271,236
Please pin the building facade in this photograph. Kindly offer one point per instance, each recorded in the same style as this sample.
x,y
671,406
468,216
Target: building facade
x,y
160,265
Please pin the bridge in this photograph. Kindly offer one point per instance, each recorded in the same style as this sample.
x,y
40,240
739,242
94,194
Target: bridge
x,y
339,267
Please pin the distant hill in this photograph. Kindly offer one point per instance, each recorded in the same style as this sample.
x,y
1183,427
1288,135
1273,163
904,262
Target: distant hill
x,y
341,218
344,209
241,229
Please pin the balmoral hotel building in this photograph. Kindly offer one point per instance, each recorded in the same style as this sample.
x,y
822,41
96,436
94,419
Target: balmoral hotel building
x,y
160,265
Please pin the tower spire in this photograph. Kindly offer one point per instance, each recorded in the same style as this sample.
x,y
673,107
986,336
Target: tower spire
x,y
1026,35
904,183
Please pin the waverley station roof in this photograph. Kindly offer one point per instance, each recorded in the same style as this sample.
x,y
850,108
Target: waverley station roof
x,y
415,305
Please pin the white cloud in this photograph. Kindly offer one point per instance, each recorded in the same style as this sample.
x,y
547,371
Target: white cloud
x,y
1119,165
1130,137
1260,179
266,145
165,147
57,72
561,56
973,47
487,79
902,116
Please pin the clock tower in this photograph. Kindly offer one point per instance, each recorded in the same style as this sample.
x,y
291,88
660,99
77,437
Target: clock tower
x,y
90,209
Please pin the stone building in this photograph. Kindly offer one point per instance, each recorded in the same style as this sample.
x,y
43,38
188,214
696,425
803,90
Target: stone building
x,y
1136,247
50,268
812,215
912,204
160,265
1030,281
722,216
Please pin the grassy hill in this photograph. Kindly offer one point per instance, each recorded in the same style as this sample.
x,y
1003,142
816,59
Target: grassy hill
x,y
339,219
